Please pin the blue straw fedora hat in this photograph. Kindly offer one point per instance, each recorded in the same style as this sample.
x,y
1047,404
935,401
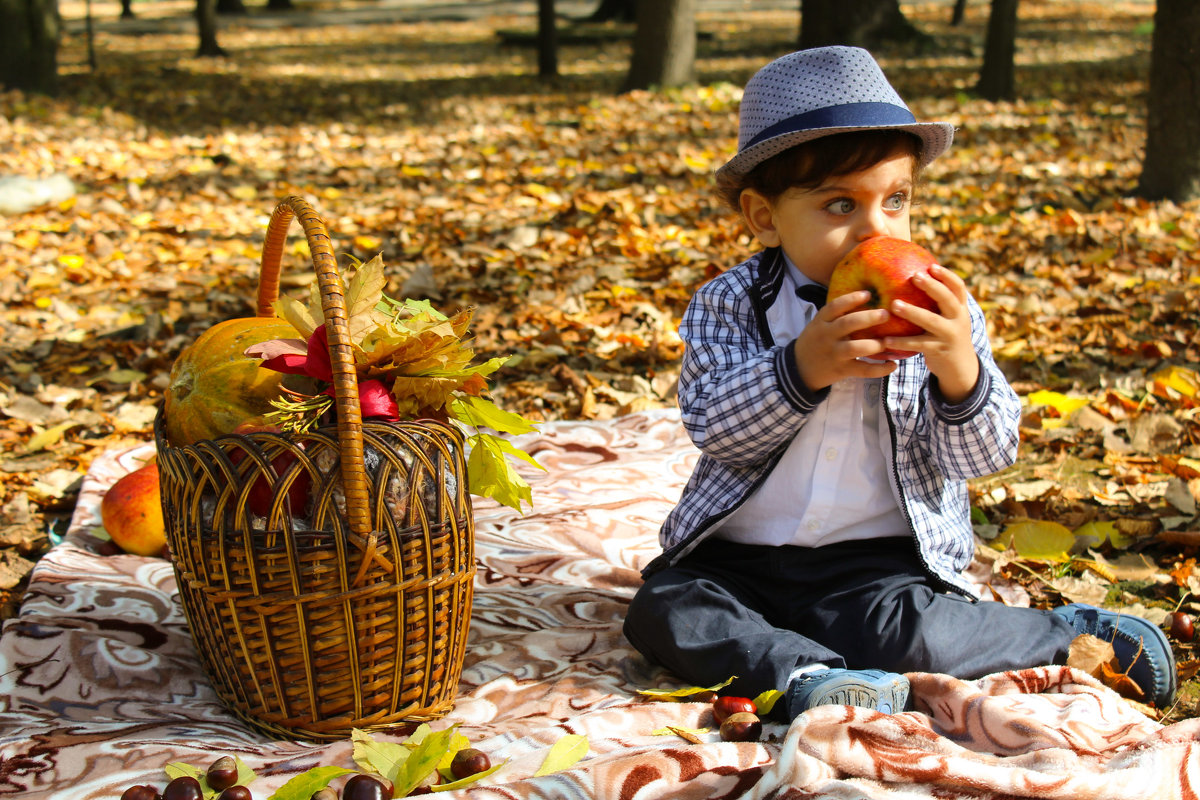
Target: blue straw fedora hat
x,y
813,93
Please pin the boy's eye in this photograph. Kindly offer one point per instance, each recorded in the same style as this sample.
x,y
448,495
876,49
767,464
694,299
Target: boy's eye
x,y
840,206
896,202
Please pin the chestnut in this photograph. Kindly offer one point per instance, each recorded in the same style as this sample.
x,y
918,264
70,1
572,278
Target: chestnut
x,y
366,787
222,773
327,793
741,726
185,787
468,762
140,791
1183,629
724,706
235,792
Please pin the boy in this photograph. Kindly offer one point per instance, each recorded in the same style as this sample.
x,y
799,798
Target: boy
x,y
818,546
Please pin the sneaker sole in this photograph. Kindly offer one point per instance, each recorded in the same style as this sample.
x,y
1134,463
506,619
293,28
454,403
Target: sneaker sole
x,y
886,696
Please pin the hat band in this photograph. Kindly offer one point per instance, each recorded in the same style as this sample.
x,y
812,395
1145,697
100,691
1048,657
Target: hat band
x,y
850,115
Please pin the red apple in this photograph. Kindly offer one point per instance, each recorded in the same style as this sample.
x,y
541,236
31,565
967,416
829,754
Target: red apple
x,y
259,499
885,267
131,511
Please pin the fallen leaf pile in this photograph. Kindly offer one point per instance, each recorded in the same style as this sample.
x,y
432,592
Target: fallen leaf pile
x,y
578,222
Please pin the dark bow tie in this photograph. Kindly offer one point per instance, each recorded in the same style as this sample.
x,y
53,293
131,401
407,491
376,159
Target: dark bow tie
x,y
813,293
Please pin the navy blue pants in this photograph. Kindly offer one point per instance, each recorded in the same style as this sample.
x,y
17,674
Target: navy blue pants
x,y
759,612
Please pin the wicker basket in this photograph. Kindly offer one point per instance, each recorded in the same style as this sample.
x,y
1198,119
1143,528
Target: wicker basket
x,y
326,577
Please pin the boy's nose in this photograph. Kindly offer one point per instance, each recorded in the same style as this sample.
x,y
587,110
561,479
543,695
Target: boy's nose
x,y
873,223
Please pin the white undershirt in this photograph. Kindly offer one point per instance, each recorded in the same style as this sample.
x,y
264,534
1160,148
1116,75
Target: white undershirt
x,y
831,484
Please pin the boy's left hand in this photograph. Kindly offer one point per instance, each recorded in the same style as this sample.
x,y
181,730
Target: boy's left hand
x,y
946,342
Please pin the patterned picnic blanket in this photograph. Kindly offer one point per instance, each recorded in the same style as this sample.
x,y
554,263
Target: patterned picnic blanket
x,y
100,686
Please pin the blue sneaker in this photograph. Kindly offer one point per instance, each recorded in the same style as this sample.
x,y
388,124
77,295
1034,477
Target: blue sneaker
x,y
1143,652
885,692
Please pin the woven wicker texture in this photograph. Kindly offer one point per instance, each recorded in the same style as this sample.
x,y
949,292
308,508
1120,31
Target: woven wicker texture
x,y
326,577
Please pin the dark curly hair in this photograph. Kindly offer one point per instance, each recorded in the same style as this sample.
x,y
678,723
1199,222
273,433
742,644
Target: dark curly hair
x,y
811,163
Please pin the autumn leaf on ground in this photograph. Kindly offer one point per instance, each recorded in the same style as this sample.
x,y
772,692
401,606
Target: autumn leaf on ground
x,y
1097,658
1037,540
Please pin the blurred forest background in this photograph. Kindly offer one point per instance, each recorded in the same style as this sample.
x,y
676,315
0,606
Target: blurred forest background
x,y
575,214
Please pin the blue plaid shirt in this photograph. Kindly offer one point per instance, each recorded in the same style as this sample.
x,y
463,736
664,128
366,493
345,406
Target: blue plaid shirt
x,y
742,401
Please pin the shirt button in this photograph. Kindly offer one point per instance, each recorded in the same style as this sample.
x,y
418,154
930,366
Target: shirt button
x,y
831,454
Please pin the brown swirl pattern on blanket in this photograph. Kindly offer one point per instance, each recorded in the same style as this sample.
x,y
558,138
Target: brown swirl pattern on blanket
x,y
100,688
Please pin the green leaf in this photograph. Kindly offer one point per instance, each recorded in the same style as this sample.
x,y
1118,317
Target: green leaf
x,y
481,413
304,785
565,753
508,448
491,475
423,761
385,758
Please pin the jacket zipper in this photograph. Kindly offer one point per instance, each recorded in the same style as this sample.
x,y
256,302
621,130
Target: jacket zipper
x,y
895,470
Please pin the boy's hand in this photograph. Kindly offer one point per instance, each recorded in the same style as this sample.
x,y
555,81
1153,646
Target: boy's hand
x,y
946,342
824,351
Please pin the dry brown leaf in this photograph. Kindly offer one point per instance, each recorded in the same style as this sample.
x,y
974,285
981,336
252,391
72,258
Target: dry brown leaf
x,y
1087,654
1097,658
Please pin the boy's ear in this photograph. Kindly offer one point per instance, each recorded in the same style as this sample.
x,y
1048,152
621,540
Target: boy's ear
x,y
760,217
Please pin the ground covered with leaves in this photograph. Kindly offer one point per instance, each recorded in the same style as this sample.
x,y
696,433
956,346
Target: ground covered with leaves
x,y
578,221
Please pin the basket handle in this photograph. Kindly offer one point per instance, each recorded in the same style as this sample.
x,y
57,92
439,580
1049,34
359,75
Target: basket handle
x,y
341,354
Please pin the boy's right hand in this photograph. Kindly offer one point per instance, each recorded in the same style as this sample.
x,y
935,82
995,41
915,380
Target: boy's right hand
x,y
824,351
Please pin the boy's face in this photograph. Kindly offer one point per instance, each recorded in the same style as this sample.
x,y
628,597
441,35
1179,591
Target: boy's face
x,y
817,226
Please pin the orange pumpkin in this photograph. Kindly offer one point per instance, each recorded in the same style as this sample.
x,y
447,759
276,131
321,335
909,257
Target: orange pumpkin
x,y
214,386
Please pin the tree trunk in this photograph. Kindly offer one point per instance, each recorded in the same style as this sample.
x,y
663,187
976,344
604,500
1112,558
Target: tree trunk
x,y
127,9
1171,167
280,5
206,23
664,45
29,45
960,10
231,7
615,10
547,40
996,81
860,23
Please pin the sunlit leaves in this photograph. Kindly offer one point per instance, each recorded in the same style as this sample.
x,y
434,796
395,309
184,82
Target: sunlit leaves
x,y
307,783
424,359
564,754
1037,540
686,692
